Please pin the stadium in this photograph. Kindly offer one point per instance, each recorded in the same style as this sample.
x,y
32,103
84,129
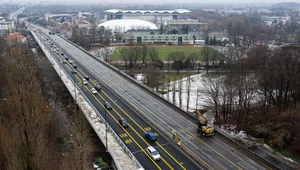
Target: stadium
x,y
124,25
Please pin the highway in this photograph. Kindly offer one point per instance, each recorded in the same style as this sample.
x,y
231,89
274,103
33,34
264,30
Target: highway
x,y
136,106
133,136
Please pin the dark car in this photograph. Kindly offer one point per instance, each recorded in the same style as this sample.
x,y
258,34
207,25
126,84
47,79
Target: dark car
x,y
74,65
107,105
74,71
66,57
86,77
98,87
150,136
123,122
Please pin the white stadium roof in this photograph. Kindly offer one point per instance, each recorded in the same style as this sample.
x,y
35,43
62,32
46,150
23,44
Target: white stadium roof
x,y
179,11
122,25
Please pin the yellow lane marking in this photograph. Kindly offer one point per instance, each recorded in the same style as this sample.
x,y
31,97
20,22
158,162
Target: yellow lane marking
x,y
161,127
189,133
124,128
126,131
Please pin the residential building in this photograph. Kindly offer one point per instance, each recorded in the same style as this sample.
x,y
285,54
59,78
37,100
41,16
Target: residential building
x,y
7,27
15,38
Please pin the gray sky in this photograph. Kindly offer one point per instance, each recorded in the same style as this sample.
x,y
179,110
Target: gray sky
x,y
152,1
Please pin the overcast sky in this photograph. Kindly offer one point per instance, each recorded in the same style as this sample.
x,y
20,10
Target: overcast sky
x,y
150,1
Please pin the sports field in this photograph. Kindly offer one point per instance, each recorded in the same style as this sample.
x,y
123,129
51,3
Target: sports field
x,y
163,51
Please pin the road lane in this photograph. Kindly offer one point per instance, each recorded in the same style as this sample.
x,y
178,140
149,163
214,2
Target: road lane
x,y
166,156
217,155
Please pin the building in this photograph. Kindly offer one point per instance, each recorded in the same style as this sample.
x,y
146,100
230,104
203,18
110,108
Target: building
x,y
7,27
124,25
15,38
217,33
185,27
150,37
154,16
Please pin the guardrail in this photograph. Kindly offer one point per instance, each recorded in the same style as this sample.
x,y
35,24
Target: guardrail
x,y
185,114
109,129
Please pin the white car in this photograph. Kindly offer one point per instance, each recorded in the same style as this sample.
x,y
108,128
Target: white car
x,y
153,153
93,90
84,81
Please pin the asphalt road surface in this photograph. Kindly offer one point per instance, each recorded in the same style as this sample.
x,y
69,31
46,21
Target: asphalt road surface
x,y
133,136
136,106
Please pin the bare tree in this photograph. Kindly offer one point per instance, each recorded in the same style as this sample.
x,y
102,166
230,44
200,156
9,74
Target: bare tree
x,y
153,54
180,86
194,58
174,91
188,91
135,54
124,52
145,51
206,53
27,147
178,58
106,54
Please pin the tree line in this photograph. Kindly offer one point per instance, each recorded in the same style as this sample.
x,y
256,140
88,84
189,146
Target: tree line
x,y
143,56
260,94
31,133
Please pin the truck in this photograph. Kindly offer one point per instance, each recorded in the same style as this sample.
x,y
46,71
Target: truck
x,y
203,127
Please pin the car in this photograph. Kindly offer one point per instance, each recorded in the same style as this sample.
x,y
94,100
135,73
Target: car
x,y
153,153
62,53
86,77
74,65
64,62
93,90
74,71
84,81
107,105
67,58
98,87
123,122
71,61
150,136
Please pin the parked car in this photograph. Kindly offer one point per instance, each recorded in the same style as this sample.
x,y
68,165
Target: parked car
x,y
98,87
154,154
93,90
86,77
107,105
84,81
150,136
123,122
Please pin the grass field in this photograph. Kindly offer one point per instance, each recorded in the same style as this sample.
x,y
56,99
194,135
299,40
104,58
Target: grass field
x,y
163,51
